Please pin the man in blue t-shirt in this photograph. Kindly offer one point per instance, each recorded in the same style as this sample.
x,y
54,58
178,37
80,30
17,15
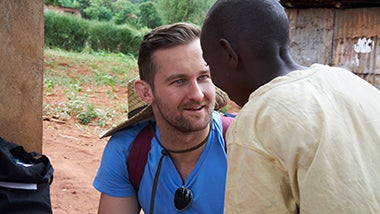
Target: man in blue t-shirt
x,y
186,165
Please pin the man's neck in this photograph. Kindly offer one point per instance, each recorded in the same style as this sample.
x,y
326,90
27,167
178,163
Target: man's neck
x,y
176,140
184,148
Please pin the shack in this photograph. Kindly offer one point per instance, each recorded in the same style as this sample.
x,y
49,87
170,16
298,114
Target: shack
x,y
339,33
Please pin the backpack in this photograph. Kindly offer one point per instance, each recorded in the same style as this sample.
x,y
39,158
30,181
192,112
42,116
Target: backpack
x,y
25,179
138,154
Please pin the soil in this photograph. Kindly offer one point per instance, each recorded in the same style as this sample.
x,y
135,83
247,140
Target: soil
x,y
75,152
75,149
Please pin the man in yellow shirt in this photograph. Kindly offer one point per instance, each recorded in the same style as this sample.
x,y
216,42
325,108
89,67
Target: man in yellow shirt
x,y
307,139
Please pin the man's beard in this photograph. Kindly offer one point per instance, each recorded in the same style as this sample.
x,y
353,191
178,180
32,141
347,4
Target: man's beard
x,y
180,122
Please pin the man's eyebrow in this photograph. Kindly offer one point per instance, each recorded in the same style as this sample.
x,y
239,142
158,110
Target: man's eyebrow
x,y
173,77
170,78
205,70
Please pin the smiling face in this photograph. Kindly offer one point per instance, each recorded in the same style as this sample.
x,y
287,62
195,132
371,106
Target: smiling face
x,y
183,93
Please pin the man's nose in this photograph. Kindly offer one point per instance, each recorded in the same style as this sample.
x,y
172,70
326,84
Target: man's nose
x,y
195,91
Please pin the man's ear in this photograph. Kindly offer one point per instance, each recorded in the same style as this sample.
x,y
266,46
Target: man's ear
x,y
229,52
144,91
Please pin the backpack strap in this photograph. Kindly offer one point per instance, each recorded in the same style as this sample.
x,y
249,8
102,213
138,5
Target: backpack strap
x,y
226,119
138,155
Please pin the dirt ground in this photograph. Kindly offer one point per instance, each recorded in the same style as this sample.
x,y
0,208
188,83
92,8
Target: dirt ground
x,y
75,152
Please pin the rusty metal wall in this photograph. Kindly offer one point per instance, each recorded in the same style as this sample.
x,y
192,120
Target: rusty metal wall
x,y
346,38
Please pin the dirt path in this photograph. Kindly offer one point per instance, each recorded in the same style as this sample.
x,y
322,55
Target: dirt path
x,y
75,152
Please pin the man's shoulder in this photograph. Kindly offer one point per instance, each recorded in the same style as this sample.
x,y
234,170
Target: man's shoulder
x,y
129,133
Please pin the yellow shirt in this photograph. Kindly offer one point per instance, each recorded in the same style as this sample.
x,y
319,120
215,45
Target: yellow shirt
x,y
307,142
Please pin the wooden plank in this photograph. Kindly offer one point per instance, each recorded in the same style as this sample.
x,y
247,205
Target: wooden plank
x,y
311,33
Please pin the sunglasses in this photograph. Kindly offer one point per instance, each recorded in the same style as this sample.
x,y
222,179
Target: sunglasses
x,y
182,198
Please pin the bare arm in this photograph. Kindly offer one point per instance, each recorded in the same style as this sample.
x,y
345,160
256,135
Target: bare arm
x,y
114,205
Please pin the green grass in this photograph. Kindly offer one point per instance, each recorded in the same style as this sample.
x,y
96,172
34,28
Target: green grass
x,y
101,68
76,75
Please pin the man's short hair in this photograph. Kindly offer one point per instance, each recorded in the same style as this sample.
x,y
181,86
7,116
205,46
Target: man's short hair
x,y
162,37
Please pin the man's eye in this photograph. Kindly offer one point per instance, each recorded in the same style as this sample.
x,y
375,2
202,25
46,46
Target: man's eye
x,y
178,82
204,77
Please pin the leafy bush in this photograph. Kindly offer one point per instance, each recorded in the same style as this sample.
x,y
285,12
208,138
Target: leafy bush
x,y
115,38
65,31
131,38
99,13
75,34
183,10
149,15
104,36
125,14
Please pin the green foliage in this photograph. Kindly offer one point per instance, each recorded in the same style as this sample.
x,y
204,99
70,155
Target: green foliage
x,y
67,3
115,38
127,23
100,13
129,40
72,33
121,11
48,85
81,5
125,16
76,73
52,2
184,10
104,36
65,31
149,15
101,68
140,12
87,115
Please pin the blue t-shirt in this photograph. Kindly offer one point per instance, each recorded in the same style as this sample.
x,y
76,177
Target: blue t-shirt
x,y
206,181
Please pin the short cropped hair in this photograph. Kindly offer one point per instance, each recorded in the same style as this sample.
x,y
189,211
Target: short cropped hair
x,y
163,37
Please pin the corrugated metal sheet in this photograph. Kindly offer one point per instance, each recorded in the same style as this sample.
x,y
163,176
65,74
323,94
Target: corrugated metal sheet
x,y
357,22
354,40
330,3
348,38
312,35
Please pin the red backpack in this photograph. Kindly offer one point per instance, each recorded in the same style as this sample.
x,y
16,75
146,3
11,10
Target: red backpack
x,y
138,155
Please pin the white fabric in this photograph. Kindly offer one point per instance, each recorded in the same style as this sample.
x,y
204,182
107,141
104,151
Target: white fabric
x,y
307,142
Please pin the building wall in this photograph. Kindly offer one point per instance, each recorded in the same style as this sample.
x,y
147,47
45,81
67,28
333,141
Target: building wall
x,y
346,38
21,72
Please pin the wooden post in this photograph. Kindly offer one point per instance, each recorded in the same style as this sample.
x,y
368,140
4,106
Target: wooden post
x,y
21,72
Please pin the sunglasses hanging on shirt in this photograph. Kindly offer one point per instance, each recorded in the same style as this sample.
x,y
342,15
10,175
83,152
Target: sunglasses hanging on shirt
x,y
183,196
